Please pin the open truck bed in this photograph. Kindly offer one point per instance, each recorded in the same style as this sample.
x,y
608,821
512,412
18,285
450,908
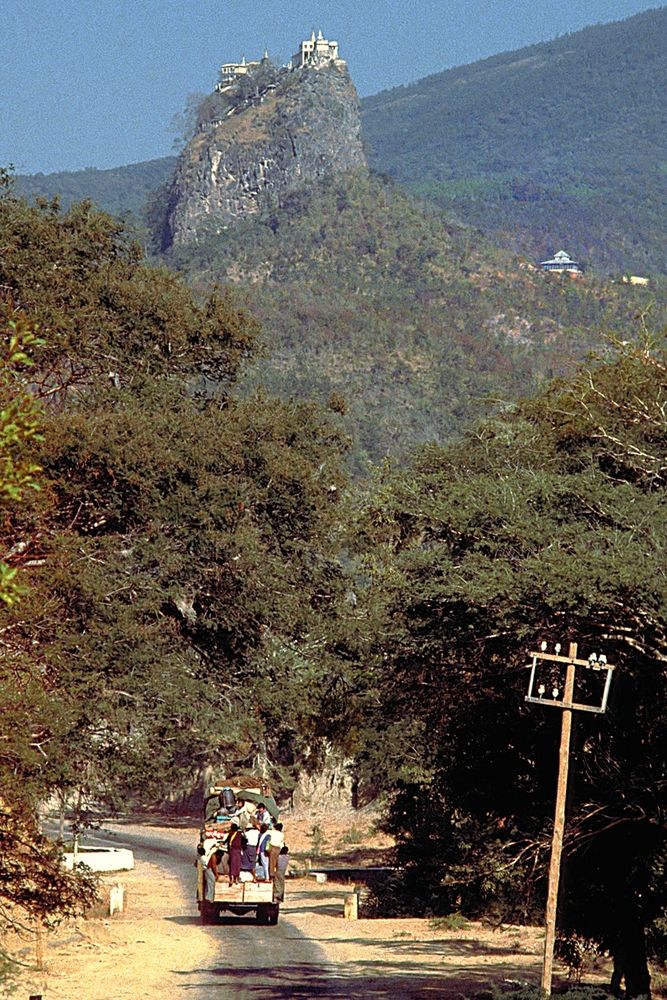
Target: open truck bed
x,y
245,897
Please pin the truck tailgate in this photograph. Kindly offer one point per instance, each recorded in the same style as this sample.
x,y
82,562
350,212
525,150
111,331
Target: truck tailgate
x,y
245,892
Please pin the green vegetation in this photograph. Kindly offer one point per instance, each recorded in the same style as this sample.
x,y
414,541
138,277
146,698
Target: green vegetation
x,y
188,541
545,523
355,835
189,577
318,840
19,427
182,545
556,145
33,885
408,324
451,922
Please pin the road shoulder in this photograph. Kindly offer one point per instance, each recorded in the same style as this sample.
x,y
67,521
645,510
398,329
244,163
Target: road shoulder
x,y
147,951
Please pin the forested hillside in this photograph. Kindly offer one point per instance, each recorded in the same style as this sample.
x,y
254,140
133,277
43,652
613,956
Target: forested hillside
x,y
207,561
412,325
189,577
121,191
544,525
558,144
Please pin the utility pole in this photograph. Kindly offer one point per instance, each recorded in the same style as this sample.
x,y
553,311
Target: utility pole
x,y
559,826
536,695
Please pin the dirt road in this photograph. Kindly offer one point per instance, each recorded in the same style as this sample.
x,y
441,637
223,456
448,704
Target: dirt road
x,y
158,950
246,959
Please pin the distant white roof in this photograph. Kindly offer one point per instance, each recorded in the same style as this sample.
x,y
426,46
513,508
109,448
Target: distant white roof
x,y
561,258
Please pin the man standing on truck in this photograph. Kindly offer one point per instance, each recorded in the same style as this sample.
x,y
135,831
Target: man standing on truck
x,y
235,843
249,856
211,875
243,815
263,853
276,841
279,877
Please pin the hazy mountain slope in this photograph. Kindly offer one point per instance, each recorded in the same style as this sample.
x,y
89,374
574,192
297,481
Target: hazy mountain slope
x,y
120,190
563,143
558,144
419,325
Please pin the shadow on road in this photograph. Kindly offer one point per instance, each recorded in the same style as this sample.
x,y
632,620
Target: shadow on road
x,y
323,909
186,919
365,981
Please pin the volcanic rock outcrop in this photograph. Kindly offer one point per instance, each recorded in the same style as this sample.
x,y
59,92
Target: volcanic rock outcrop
x,y
301,127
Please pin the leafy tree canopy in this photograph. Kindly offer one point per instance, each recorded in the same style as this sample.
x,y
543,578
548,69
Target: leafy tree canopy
x,y
32,881
183,545
545,523
108,315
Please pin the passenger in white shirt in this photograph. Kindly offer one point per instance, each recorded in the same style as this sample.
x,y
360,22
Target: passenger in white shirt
x,y
276,841
249,856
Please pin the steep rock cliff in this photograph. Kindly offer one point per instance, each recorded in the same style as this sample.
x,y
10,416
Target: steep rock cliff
x,y
306,127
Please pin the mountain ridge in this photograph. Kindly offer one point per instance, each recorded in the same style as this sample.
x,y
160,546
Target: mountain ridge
x,y
568,145
603,196
121,191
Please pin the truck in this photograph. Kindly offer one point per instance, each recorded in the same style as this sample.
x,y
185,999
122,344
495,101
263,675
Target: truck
x,y
219,813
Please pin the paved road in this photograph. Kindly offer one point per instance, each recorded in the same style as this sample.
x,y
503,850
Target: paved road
x,y
247,959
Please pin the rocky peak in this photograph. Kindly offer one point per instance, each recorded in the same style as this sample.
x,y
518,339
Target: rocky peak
x,y
261,140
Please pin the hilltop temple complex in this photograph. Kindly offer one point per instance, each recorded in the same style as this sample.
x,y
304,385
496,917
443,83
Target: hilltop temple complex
x,y
316,51
229,72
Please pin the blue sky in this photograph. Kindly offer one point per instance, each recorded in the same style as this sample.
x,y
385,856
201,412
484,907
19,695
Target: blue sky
x,y
97,83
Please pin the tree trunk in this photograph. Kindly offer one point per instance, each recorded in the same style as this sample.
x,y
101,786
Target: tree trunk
x,y
61,817
630,959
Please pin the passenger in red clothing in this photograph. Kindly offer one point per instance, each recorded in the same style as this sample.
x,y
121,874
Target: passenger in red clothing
x,y
235,845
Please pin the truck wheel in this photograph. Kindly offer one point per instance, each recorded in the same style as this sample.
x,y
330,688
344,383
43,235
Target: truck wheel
x,y
207,913
262,914
272,915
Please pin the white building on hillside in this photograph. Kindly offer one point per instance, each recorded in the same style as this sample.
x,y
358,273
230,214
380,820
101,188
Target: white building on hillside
x,y
316,51
230,72
561,262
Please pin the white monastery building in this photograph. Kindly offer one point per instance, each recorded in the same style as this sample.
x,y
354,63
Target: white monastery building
x,y
561,262
229,72
316,51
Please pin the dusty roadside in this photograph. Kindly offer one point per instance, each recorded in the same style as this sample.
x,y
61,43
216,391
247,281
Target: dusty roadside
x,y
157,949
141,953
153,952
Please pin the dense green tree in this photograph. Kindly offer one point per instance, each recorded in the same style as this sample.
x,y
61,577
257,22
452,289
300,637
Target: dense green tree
x,y
183,537
109,316
33,884
547,523
180,538
19,426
